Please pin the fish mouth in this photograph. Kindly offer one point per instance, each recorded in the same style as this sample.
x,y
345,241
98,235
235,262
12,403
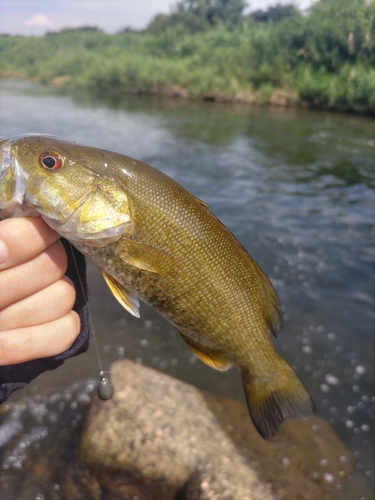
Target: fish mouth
x,y
12,183
13,178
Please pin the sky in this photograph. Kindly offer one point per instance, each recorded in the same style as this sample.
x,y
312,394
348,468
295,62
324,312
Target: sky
x,y
36,17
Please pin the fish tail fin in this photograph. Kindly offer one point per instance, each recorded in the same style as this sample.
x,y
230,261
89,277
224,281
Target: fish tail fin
x,y
273,399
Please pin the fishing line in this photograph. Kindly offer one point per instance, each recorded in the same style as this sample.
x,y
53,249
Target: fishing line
x,y
105,387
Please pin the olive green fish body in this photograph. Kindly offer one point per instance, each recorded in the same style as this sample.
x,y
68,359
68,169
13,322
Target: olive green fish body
x,y
152,239
204,278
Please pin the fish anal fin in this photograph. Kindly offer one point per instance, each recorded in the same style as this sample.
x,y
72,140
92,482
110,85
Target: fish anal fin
x,y
273,313
144,257
212,357
126,299
272,400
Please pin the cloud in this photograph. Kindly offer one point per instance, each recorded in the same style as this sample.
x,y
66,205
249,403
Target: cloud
x,y
40,20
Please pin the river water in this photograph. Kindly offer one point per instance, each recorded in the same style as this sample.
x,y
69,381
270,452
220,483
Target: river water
x,y
296,187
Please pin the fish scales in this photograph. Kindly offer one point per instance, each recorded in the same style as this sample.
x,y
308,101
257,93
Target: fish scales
x,y
208,256
154,240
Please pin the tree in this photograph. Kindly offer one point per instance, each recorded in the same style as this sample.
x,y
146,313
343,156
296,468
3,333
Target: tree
x,y
339,31
275,13
160,23
197,15
214,11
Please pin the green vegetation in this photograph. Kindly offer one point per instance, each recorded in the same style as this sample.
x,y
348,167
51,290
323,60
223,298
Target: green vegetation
x,y
209,49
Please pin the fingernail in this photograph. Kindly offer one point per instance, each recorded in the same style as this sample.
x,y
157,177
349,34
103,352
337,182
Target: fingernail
x,y
4,252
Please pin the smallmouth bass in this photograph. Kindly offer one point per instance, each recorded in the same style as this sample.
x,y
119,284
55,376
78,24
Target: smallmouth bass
x,y
155,241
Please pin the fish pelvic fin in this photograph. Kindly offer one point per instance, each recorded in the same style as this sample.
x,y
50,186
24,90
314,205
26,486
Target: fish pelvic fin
x,y
210,356
271,400
273,313
126,299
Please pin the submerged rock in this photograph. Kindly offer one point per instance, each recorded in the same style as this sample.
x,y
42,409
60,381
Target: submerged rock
x,y
194,445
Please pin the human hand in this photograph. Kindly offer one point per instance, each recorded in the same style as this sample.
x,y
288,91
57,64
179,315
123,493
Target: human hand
x,y
36,300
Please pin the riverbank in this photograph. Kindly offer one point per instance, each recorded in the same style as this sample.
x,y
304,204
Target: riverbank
x,y
276,97
265,96
322,60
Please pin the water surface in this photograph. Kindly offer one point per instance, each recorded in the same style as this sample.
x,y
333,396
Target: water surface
x,y
296,187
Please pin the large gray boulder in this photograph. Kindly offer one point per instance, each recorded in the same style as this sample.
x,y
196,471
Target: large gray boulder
x,y
159,430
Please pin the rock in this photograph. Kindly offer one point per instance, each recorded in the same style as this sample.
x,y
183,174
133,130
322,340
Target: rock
x,y
194,445
225,480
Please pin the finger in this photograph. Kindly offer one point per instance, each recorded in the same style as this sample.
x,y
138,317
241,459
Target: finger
x,y
22,239
50,303
40,341
26,279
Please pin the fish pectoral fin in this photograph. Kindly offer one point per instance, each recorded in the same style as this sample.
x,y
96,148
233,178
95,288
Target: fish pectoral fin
x,y
212,357
144,257
273,313
126,299
273,399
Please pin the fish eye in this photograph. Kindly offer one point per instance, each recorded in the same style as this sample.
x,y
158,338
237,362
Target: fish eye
x,y
51,160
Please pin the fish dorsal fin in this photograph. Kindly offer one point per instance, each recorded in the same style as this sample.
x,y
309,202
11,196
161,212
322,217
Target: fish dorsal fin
x,y
208,355
144,257
273,313
126,299
203,203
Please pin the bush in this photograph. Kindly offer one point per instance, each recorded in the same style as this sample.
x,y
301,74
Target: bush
x,y
353,89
